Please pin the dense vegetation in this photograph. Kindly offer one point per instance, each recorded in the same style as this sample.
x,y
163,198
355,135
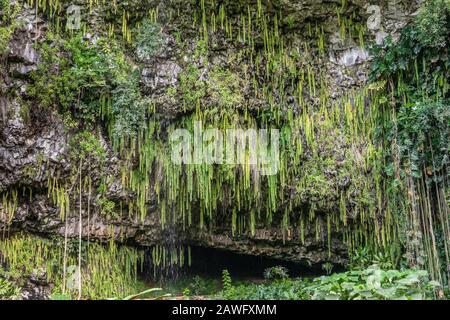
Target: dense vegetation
x,y
369,284
388,200
416,72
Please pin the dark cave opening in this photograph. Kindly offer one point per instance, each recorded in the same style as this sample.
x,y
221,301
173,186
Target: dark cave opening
x,y
210,262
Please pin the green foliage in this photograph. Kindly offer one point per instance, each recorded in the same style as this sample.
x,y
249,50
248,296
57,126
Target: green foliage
x,y
199,286
8,290
7,23
149,40
192,285
77,82
53,84
373,284
186,292
414,127
86,145
228,291
59,297
276,273
129,107
224,88
383,261
413,64
433,23
278,290
327,267
5,9
424,136
24,254
107,207
191,88
57,81
5,36
362,258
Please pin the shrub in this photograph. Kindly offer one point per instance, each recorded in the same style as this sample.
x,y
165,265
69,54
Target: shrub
x,y
129,107
149,40
423,136
373,284
85,145
191,88
433,23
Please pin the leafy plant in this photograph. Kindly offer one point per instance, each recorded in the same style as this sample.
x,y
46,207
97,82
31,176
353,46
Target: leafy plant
x,y
278,290
433,23
327,267
186,292
107,207
373,284
8,23
198,286
5,9
224,88
191,88
8,290
414,128
423,136
86,145
5,37
149,40
276,273
228,288
129,107
360,259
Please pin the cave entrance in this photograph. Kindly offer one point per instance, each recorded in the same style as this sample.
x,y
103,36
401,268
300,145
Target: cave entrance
x,y
211,262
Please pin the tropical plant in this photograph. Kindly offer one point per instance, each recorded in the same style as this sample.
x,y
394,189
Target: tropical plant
x,y
228,289
360,259
276,273
327,267
373,284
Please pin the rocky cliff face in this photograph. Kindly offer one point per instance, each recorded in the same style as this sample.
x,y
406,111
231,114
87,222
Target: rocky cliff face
x,y
34,140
